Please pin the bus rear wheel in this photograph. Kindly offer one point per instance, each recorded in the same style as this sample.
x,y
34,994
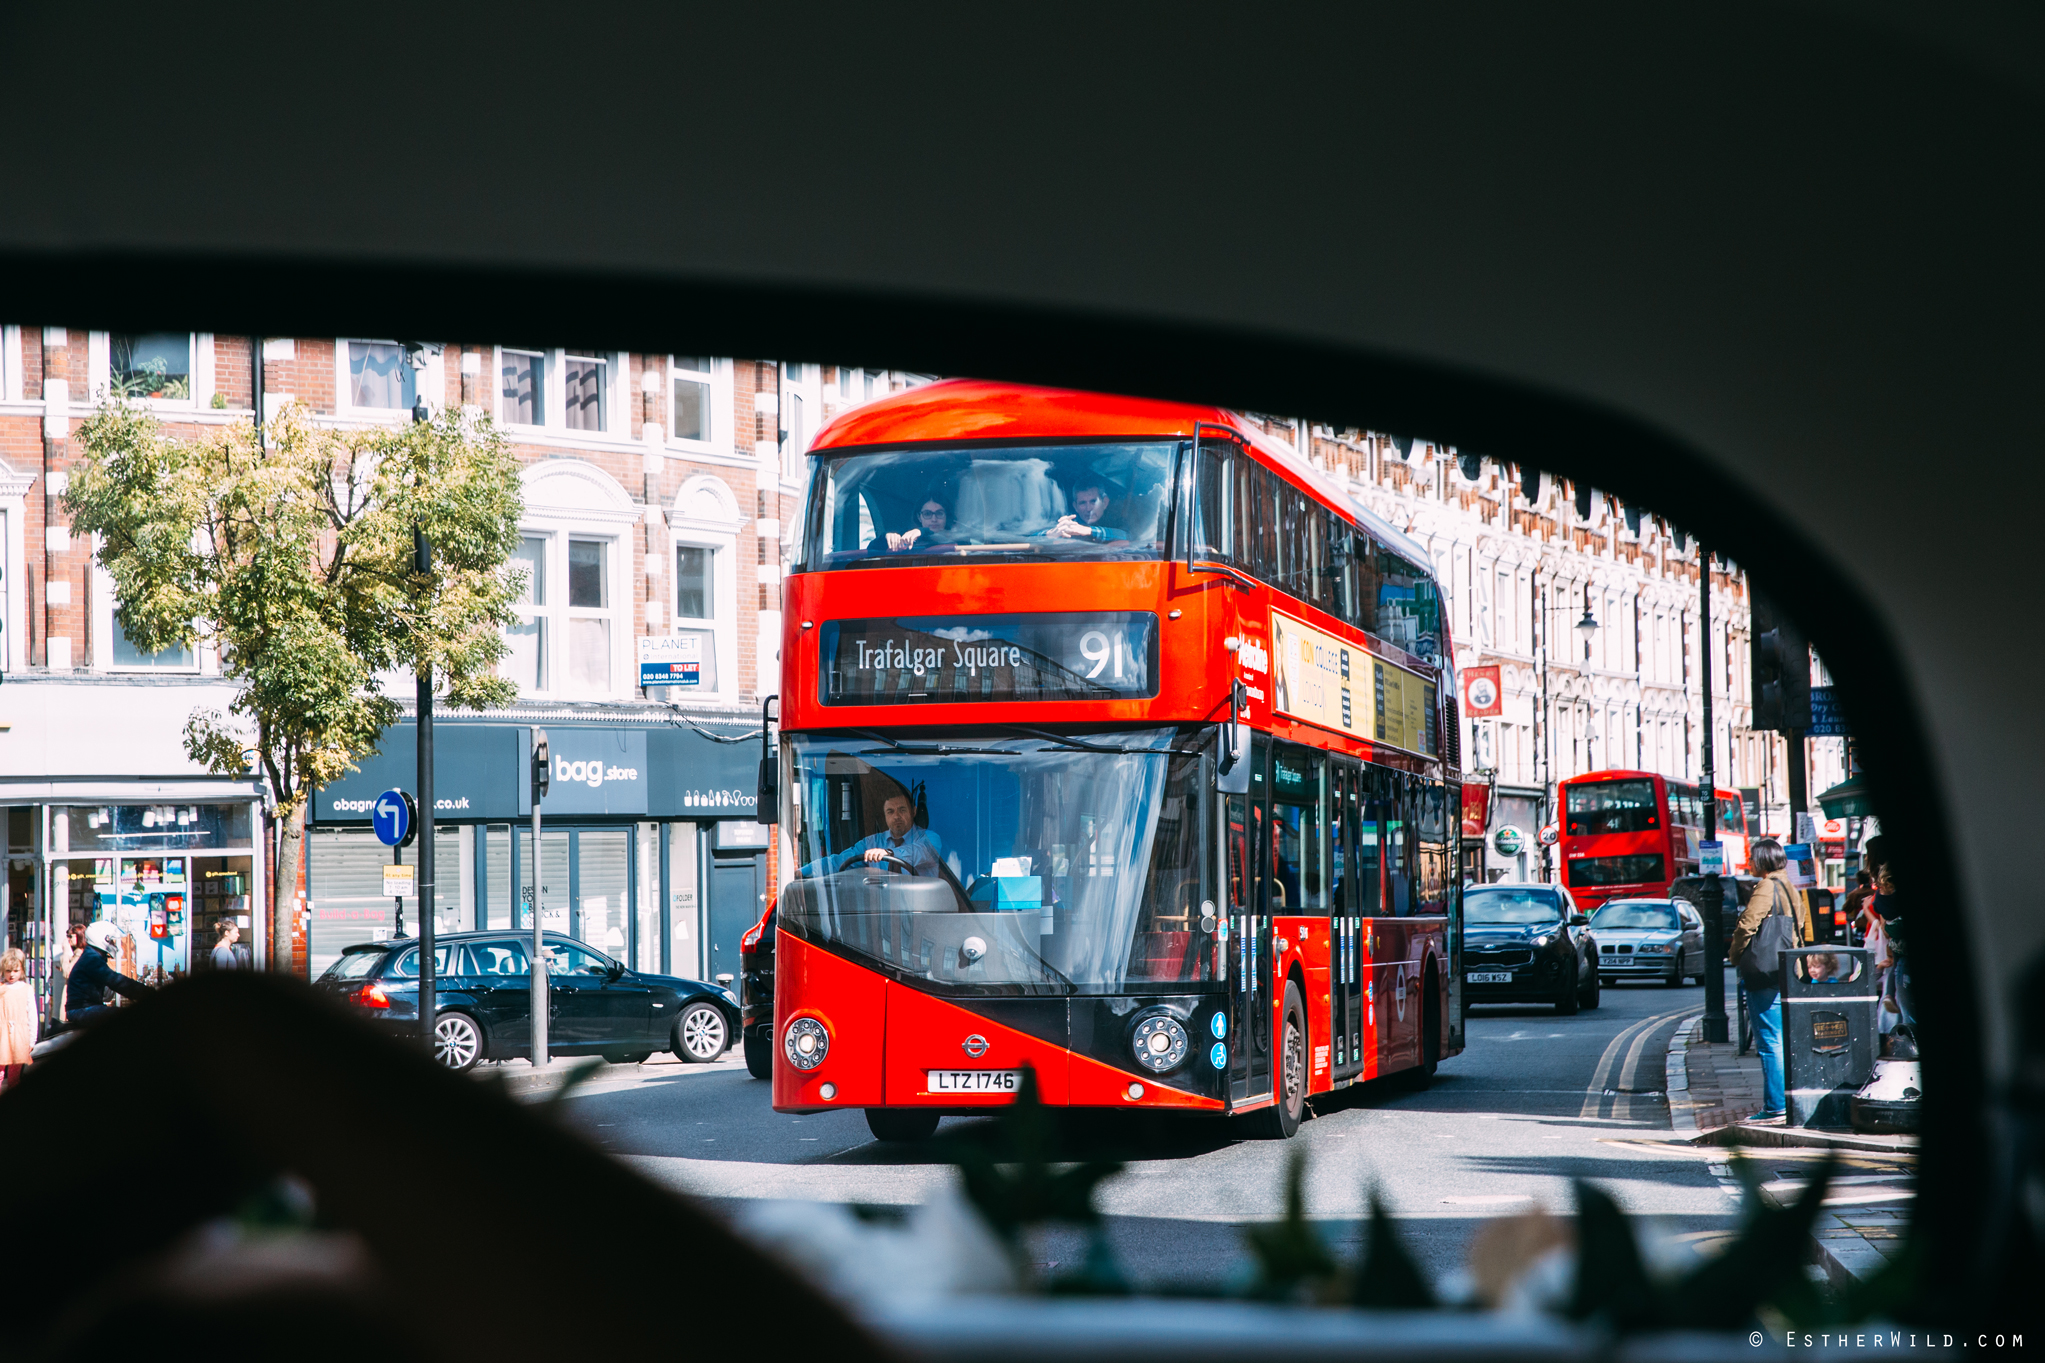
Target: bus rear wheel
x,y
1281,1120
906,1125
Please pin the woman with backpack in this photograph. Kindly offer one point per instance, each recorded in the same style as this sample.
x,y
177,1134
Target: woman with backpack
x,y
1777,919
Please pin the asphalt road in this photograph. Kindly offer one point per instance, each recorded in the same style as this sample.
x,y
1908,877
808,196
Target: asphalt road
x,y
1534,1102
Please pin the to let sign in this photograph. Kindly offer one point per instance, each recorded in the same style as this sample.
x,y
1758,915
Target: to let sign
x,y
676,660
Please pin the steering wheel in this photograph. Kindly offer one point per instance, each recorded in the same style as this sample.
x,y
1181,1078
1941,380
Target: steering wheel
x,y
887,857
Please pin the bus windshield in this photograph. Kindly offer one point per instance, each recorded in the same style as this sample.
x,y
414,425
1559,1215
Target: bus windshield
x,y
992,503
1612,807
1007,865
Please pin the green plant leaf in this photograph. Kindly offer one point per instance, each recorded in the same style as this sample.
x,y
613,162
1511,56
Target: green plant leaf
x,y
1290,1255
1611,1281
1386,1276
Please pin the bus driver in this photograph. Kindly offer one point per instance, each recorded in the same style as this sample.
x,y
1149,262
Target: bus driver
x,y
921,848
1090,502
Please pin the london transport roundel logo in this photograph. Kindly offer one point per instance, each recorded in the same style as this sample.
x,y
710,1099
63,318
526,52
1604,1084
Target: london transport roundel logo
x,y
1483,693
974,1045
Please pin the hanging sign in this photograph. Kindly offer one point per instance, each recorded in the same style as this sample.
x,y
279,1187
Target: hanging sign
x,y
1483,697
1710,857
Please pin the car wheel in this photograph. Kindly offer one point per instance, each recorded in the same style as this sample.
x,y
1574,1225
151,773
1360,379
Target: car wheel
x,y
1591,987
1281,1120
760,1052
1675,979
1430,1035
701,1033
906,1125
457,1041
1571,997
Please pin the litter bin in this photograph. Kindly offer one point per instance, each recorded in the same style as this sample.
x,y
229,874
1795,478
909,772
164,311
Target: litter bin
x,y
1828,1031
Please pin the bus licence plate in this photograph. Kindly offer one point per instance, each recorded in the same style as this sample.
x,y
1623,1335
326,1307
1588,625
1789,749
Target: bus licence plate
x,y
1489,977
974,1081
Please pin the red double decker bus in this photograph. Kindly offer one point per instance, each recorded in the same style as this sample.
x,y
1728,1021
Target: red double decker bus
x,y
1116,741
1628,834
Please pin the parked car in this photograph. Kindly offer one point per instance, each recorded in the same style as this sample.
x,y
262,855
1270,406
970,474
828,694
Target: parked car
x,y
1525,943
483,999
1649,939
756,995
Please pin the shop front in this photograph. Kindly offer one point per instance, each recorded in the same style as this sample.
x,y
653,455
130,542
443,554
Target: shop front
x,y
648,846
168,861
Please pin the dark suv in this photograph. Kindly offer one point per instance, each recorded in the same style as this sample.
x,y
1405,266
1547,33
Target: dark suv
x,y
483,998
756,995
1526,943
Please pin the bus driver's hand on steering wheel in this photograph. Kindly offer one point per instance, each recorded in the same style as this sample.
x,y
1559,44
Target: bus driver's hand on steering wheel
x,y
876,855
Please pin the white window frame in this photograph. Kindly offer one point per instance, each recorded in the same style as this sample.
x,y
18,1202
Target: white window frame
x,y
550,382
14,488
705,514
718,375
99,368
429,383
573,499
205,660
557,397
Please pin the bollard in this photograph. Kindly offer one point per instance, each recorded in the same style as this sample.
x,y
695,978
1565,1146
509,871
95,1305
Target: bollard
x,y
1828,1031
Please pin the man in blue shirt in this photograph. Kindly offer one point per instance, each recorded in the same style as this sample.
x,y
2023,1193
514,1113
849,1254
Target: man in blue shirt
x,y
921,848
1089,503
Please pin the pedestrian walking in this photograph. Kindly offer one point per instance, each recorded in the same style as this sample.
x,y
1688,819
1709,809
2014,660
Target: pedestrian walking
x,y
227,956
17,1016
1777,918
60,976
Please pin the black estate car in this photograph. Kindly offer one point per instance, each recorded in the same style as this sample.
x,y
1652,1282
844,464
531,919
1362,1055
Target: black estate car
x,y
483,995
1526,943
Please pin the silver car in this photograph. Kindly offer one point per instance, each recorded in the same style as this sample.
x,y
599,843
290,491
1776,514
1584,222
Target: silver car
x,y
1649,939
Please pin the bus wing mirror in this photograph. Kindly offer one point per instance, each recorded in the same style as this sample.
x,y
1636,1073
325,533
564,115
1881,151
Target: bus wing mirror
x,y
1232,745
768,794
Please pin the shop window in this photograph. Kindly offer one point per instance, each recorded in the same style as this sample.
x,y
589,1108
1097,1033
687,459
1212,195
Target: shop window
x,y
128,655
380,377
155,364
523,375
692,375
585,380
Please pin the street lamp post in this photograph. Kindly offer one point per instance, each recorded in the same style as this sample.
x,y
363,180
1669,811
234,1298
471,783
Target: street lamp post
x,y
542,778
1714,890
422,564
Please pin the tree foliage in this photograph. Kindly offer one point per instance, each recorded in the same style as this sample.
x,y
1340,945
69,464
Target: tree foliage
x,y
294,557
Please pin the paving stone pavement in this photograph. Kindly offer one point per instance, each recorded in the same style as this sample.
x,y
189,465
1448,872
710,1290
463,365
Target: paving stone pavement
x,y
1711,1087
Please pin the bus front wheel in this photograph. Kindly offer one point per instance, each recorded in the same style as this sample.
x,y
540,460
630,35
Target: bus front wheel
x,y
906,1125
1281,1120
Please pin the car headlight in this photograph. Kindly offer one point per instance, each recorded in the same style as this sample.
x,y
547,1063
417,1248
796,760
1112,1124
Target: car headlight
x,y
806,1043
1160,1043
1654,948
729,997
1543,940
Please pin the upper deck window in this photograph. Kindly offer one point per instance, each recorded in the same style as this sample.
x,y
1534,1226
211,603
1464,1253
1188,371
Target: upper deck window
x,y
998,503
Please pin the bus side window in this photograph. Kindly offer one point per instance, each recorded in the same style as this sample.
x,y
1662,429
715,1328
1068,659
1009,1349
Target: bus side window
x,y
1269,565
1238,856
1398,834
1209,523
1340,890
1433,867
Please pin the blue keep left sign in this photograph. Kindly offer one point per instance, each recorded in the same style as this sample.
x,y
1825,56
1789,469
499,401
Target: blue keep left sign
x,y
392,816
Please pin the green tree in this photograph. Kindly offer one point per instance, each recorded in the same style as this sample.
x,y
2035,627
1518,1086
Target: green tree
x,y
294,557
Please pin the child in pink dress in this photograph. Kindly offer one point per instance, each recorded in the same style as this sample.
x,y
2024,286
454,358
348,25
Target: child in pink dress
x,y
17,1016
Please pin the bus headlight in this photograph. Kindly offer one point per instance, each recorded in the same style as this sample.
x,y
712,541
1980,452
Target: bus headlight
x,y
806,1043
1160,1043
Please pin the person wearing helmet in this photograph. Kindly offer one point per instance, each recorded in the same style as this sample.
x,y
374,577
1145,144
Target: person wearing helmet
x,y
92,974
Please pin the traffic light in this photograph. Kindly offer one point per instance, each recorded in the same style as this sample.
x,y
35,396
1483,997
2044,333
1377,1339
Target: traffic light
x,y
1782,670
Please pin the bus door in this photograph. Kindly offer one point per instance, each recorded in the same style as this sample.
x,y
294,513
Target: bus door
x,y
1249,852
1355,896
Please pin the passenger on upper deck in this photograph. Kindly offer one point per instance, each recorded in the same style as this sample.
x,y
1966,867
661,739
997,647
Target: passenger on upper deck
x,y
1090,503
933,526
922,849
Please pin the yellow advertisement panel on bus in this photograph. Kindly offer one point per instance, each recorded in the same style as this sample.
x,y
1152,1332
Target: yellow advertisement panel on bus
x,y
1341,686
